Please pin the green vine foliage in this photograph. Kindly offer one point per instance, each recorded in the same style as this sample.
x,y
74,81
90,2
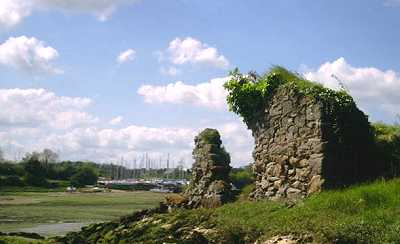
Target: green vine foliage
x,y
248,94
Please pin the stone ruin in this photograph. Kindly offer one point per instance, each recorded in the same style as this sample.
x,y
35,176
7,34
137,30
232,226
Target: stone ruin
x,y
210,185
298,151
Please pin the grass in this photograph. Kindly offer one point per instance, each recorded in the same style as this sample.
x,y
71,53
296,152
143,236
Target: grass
x,y
19,240
27,209
360,214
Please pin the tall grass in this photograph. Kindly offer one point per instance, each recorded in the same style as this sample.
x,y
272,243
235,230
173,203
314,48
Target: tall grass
x,y
367,213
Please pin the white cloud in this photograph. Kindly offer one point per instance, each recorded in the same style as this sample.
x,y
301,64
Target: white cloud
x,y
192,51
171,70
33,119
238,141
115,121
375,91
209,94
392,3
12,12
126,56
102,144
136,138
33,108
28,55
133,141
372,88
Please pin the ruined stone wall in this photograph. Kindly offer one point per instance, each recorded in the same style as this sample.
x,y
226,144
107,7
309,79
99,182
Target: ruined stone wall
x,y
210,184
300,148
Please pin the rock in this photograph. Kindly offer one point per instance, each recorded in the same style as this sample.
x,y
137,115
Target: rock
x,y
293,161
273,178
264,184
277,184
288,239
293,193
296,184
302,163
274,169
210,184
315,184
176,200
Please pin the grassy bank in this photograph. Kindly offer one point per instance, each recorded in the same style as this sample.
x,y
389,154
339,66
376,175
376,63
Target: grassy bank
x,y
28,209
19,240
360,214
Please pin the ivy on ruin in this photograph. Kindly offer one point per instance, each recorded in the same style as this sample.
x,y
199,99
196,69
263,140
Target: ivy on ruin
x,y
248,94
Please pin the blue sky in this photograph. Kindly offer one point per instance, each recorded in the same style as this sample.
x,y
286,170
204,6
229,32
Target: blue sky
x,y
63,86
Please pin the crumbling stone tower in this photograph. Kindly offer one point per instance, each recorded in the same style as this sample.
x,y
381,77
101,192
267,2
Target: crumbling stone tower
x,y
307,137
210,185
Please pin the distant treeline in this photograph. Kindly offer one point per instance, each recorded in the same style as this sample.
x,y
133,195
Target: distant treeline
x,y
42,169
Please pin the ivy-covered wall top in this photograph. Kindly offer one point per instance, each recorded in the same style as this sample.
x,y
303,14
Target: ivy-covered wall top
x,y
248,94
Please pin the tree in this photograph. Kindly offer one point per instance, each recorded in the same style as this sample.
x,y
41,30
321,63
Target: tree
x,y
85,176
35,172
65,170
48,156
1,156
7,168
31,155
12,180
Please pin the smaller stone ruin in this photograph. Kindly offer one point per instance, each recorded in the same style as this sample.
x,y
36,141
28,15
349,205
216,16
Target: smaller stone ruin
x,y
210,185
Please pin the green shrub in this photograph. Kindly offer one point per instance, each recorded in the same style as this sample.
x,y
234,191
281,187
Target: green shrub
x,y
241,177
84,176
12,180
210,136
135,187
33,180
11,169
387,140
